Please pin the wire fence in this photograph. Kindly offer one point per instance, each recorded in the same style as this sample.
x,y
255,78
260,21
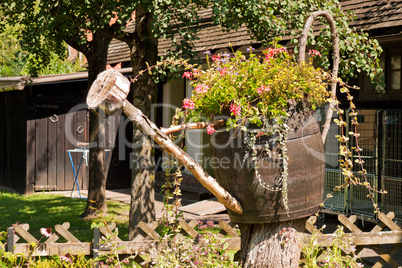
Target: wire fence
x,y
381,139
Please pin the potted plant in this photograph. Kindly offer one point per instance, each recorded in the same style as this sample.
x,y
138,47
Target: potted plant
x,y
265,149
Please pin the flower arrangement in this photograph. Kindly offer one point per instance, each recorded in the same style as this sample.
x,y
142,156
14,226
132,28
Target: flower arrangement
x,y
256,93
253,89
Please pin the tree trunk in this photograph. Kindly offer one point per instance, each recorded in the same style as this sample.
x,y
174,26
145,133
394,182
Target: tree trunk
x,y
143,49
271,245
97,58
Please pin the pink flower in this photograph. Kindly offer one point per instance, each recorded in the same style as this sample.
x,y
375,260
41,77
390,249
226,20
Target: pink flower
x,y
211,224
271,52
201,88
223,71
46,232
196,72
67,258
263,89
210,130
216,57
235,110
188,75
188,104
314,52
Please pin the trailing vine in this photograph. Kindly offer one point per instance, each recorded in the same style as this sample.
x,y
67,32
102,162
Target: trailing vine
x,y
281,130
172,199
346,163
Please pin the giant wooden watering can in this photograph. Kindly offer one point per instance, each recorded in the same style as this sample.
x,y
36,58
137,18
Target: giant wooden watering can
x,y
110,90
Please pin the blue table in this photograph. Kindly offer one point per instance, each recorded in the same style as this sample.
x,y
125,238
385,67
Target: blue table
x,y
85,154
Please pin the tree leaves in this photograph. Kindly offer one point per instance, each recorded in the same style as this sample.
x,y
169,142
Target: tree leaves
x,y
179,21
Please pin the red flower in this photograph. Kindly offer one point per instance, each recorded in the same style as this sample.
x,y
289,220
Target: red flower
x,y
223,71
263,89
235,110
210,130
216,57
188,104
188,75
314,52
271,52
201,88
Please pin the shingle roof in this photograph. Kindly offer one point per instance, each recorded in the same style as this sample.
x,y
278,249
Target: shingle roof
x,y
371,15
211,37
375,14
118,52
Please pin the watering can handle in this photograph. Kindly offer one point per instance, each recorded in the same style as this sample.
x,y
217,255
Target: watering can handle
x,y
335,47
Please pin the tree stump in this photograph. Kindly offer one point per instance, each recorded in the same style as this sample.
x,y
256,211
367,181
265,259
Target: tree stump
x,y
271,245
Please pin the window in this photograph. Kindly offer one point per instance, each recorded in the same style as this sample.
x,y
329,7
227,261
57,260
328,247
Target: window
x,y
366,84
394,80
391,63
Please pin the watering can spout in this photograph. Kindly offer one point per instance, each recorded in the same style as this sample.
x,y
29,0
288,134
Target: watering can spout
x,y
109,92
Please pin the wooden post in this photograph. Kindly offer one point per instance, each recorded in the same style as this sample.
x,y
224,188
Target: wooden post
x,y
111,95
10,239
96,245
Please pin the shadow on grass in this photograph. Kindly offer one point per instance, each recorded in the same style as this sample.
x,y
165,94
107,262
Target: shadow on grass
x,y
47,210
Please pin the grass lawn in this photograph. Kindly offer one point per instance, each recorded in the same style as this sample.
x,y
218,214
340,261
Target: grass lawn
x,y
47,210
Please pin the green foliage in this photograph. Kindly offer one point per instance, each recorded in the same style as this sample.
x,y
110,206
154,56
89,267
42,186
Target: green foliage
x,y
58,20
314,255
15,61
7,259
182,252
62,261
47,24
12,58
171,201
273,20
35,210
59,65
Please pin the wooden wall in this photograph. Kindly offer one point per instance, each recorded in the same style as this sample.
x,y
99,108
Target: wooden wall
x,y
49,138
48,160
58,121
12,140
37,127
119,131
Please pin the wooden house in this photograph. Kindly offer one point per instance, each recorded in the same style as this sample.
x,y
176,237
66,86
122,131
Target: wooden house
x,y
39,122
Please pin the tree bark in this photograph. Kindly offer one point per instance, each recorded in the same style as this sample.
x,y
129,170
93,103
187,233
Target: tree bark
x,y
96,201
271,245
143,49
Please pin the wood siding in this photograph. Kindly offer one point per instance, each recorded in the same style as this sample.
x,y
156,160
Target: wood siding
x,y
48,160
12,141
37,127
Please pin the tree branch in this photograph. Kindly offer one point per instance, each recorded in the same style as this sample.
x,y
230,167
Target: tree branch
x,y
198,125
